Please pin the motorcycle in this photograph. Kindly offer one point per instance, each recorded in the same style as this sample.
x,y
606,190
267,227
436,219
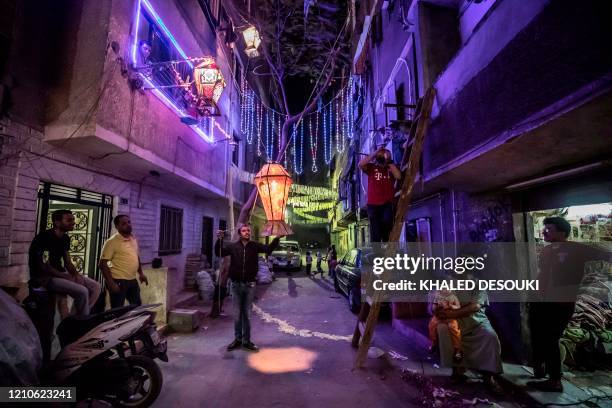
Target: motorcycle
x,y
110,356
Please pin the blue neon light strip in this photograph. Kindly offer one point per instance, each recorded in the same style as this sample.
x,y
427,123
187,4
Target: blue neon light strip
x,y
137,25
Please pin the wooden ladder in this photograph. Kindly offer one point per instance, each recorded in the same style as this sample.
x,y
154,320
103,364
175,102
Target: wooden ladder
x,y
409,166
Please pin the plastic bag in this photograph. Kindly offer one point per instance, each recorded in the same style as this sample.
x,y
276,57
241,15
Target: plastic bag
x,y
20,350
206,286
264,275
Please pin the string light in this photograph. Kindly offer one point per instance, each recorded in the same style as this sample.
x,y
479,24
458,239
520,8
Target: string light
x,y
270,147
242,104
293,150
250,113
339,141
266,148
327,138
342,110
279,133
337,117
300,148
313,142
259,128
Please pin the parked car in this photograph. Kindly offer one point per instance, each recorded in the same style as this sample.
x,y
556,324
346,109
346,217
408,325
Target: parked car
x,y
347,280
288,255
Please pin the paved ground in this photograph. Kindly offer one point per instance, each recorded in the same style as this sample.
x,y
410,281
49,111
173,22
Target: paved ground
x,y
303,329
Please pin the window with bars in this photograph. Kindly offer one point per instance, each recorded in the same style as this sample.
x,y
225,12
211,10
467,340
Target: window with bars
x,y
170,230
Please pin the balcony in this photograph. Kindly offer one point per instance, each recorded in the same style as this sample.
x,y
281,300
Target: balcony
x,y
131,132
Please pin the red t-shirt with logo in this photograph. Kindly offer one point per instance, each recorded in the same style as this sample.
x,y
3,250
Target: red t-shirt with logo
x,y
380,184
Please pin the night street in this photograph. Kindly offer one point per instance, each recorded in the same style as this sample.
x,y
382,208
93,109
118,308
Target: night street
x,y
295,370
303,329
446,163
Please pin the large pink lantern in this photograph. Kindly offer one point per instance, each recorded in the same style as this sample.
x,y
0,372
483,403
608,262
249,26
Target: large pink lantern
x,y
273,184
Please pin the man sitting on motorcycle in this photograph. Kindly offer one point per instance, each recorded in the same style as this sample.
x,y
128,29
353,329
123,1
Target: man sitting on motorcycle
x,y
50,263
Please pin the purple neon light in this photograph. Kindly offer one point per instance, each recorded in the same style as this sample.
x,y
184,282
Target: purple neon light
x,y
208,138
137,24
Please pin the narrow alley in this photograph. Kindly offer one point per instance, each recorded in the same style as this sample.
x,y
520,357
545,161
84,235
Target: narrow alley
x,y
303,328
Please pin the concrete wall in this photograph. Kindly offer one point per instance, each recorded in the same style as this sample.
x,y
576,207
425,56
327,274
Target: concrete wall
x,y
470,16
522,60
439,38
134,122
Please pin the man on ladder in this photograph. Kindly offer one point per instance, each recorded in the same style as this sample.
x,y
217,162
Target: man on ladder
x,y
382,173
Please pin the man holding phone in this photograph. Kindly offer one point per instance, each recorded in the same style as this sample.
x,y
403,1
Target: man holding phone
x,y
382,173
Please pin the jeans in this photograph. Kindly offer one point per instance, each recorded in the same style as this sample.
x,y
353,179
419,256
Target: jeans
x,y
381,222
128,289
242,297
93,287
76,291
547,322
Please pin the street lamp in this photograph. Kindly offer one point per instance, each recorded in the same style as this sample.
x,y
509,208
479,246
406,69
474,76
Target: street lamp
x,y
273,184
252,41
208,79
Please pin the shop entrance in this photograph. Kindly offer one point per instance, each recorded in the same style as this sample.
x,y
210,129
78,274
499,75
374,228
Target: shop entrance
x,y
590,223
586,341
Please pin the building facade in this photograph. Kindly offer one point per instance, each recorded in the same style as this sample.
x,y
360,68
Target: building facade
x,y
91,122
520,127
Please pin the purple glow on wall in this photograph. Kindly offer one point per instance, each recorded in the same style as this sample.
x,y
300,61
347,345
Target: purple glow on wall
x,y
179,112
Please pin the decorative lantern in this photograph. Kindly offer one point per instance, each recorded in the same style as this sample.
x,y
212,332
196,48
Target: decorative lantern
x,y
273,184
208,79
252,41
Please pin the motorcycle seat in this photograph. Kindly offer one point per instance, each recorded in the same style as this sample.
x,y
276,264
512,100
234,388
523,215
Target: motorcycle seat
x,y
73,327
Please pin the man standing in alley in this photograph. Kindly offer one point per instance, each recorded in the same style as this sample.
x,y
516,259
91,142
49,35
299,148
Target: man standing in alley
x,y
382,173
561,270
243,270
121,266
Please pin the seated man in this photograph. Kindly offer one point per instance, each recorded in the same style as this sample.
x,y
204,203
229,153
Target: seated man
x,y
481,347
50,264
51,268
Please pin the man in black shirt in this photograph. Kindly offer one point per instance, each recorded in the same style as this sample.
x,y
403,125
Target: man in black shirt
x,y
244,265
50,264
561,265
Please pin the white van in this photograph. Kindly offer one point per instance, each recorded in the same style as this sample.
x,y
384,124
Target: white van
x,y
288,255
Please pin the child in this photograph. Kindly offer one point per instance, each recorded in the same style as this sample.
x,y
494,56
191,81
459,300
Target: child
x,y
308,262
446,300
